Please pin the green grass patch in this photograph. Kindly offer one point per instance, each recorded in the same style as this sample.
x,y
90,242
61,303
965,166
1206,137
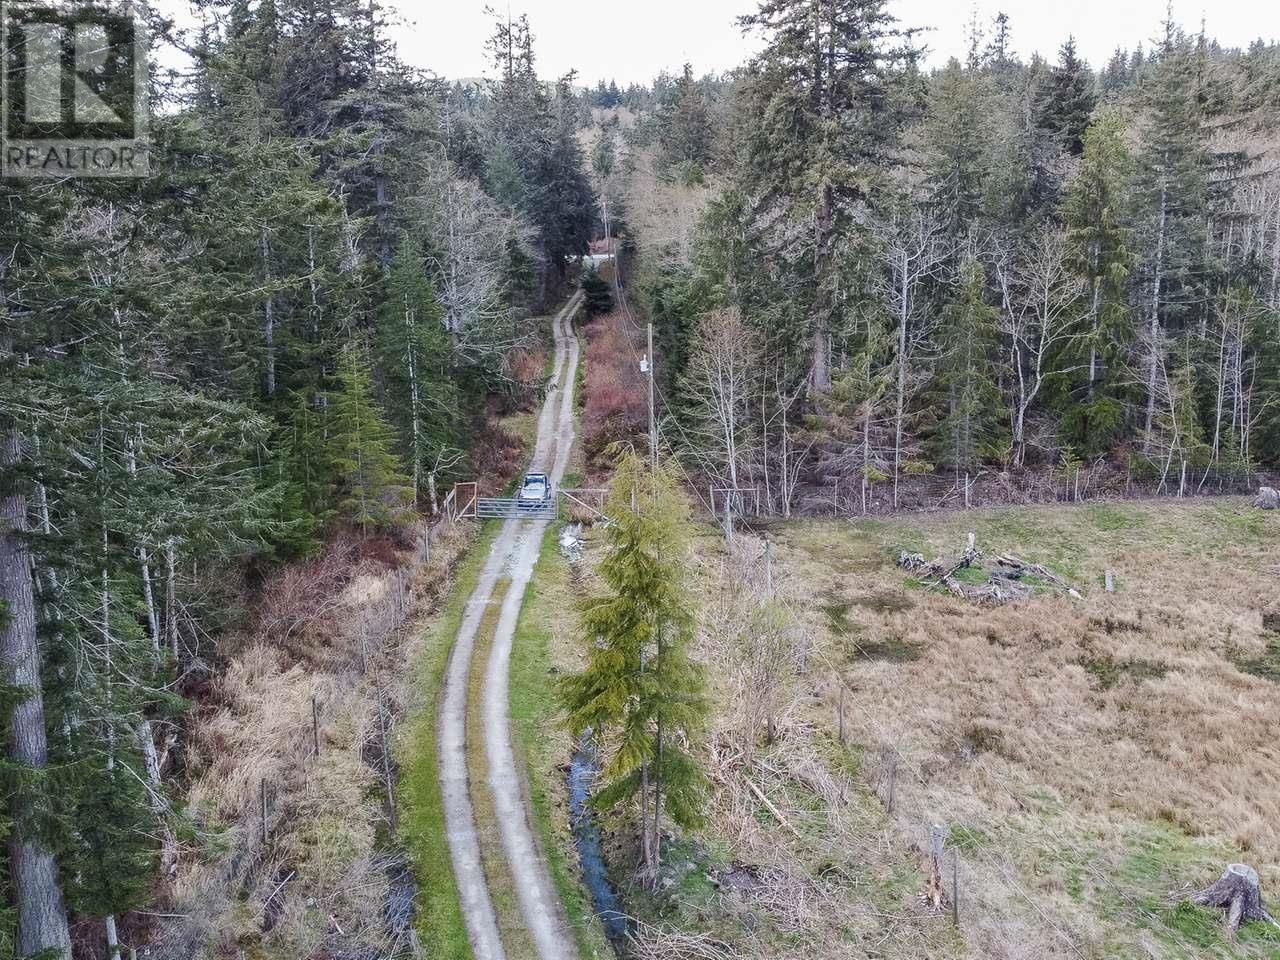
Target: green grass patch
x,y
966,839
533,720
837,614
974,575
1235,524
1109,673
1266,666
1112,518
1196,925
421,803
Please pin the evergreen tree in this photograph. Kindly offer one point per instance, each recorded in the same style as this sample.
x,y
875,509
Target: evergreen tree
x,y
957,133
1094,212
1026,176
305,473
640,695
1115,77
825,118
684,130
414,357
537,159
966,378
599,298
372,493
1066,100
1171,190
999,53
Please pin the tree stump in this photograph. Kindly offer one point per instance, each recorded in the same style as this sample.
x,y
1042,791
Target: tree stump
x,y
1238,893
1271,618
1268,498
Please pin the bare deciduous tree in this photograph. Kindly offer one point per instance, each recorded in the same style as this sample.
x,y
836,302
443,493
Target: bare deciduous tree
x,y
1235,374
718,382
1040,312
913,250
471,232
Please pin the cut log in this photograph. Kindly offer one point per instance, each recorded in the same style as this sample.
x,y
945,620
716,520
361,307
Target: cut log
x,y
1268,498
1237,892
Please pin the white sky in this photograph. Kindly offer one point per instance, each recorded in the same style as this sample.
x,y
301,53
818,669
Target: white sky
x,y
635,39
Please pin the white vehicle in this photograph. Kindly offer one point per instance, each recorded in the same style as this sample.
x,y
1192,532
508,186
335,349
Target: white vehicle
x,y
536,487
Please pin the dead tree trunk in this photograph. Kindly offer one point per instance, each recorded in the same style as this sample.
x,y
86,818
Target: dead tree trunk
x,y
937,839
1238,893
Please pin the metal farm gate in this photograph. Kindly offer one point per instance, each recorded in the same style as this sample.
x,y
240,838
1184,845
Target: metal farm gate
x,y
513,508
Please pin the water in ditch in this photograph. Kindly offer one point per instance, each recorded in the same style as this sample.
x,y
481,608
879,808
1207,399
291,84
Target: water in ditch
x,y
586,837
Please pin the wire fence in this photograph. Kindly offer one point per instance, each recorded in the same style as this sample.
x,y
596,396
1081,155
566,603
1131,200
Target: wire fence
x,y
842,496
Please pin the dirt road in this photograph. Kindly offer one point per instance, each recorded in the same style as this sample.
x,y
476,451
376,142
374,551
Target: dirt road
x,y
513,554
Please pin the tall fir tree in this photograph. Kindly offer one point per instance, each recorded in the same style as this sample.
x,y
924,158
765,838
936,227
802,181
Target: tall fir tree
x,y
415,361
684,130
1170,194
372,491
640,694
826,107
1067,100
1095,212
966,383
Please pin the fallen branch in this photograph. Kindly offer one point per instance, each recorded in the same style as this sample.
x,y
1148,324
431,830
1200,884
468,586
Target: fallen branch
x,y
772,809
661,943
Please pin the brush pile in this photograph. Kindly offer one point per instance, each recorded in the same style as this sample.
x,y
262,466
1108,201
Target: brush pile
x,y
1005,583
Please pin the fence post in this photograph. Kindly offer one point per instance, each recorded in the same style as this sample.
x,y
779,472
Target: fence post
x,y
841,723
955,889
315,726
937,834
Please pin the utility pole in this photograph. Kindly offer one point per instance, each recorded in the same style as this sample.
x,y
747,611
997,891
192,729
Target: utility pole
x,y
653,421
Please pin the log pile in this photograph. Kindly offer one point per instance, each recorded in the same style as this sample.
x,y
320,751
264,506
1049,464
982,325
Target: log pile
x,y
1020,568
1004,585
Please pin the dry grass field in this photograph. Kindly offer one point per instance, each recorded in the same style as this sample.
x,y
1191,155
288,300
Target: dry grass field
x,y
1091,760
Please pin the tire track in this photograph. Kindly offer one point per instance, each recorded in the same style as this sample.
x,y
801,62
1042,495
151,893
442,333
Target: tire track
x,y
513,553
